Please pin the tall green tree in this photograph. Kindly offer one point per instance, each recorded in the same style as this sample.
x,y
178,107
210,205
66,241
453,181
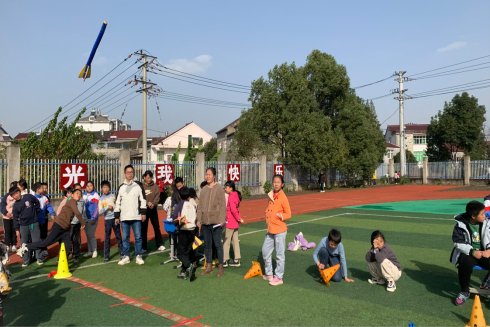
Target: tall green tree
x,y
458,127
175,156
210,150
408,155
309,116
59,140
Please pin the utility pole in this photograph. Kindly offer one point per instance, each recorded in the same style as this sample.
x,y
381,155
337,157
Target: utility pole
x,y
146,85
401,97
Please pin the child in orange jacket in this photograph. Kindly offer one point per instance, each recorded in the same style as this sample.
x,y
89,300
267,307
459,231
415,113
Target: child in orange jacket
x,y
277,212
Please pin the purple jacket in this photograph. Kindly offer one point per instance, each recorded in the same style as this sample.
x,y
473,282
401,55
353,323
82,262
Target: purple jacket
x,y
232,212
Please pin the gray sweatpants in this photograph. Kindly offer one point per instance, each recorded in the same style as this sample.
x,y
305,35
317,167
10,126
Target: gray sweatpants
x,y
34,233
277,241
90,232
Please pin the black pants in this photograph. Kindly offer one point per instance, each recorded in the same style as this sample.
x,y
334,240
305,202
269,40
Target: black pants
x,y
75,239
57,234
43,228
151,215
10,236
186,254
212,236
465,269
110,225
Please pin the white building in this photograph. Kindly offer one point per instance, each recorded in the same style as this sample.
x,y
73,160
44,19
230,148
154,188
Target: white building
x,y
415,140
225,136
96,122
162,149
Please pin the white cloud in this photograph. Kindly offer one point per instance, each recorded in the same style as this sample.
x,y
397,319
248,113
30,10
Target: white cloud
x,y
197,65
452,46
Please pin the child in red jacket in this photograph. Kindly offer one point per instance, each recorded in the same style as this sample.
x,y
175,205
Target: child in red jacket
x,y
232,224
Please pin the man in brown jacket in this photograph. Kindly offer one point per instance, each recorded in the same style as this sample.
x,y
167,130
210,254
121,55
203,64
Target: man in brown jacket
x,y
211,216
61,226
152,194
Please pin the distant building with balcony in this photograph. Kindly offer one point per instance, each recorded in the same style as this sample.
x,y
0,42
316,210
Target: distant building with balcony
x,y
415,140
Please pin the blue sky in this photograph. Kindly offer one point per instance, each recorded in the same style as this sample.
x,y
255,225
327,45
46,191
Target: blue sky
x,y
45,44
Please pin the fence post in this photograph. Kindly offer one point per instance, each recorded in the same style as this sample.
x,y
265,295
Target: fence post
x,y
262,170
425,171
200,162
391,168
124,160
13,160
467,170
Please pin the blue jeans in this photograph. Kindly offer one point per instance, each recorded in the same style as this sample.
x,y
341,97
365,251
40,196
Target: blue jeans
x,y
329,261
277,241
126,229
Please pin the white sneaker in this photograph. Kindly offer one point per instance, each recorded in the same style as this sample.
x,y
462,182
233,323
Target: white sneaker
x,y
161,248
23,249
94,254
13,248
376,281
391,287
139,260
124,261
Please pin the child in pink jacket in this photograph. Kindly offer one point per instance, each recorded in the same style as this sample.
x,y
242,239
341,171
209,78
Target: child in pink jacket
x,y
232,224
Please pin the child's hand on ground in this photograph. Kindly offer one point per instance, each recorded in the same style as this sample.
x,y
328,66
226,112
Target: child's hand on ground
x,y
348,280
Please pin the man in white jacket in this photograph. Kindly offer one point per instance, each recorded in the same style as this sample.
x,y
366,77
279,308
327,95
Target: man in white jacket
x,y
130,210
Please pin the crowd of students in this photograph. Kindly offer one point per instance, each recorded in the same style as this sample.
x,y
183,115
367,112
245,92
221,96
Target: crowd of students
x,y
214,218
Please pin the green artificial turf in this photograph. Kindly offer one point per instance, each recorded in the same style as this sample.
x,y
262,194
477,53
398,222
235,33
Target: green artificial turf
x,y
424,293
450,207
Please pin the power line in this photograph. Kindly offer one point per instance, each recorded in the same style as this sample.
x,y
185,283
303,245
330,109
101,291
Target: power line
x,y
42,122
380,97
454,91
475,83
199,102
451,72
459,63
68,103
204,79
369,84
191,97
210,86
394,112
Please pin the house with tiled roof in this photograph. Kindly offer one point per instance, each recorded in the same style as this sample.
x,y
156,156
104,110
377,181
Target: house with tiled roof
x,y
5,138
97,122
163,148
111,144
415,140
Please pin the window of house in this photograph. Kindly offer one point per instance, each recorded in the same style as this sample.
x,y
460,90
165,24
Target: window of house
x,y
419,139
160,155
389,154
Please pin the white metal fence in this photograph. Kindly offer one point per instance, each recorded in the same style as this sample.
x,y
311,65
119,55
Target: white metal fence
x,y
43,170
186,170
249,172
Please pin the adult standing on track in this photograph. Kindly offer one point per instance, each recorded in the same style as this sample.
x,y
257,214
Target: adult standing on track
x,y
131,210
211,216
152,195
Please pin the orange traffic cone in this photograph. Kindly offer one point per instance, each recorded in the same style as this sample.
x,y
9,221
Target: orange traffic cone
x,y
63,271
255,270
328,273
476,319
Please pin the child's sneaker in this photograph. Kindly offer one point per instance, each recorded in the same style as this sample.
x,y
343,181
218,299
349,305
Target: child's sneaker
x,y
276,281
40,262
25,264
94,254
376,281
225,264
391,287
22,250
182,274
235,263
192,273
13,249
139,260
161,248
267,277
124,261
107,260
87,255
461,298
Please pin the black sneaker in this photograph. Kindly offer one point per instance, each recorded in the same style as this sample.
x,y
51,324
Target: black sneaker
x,y
191,272
225,264
235,263
182,275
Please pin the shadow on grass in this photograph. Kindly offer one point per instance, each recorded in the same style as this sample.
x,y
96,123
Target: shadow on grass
x,y
358,274
436,279
33,304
